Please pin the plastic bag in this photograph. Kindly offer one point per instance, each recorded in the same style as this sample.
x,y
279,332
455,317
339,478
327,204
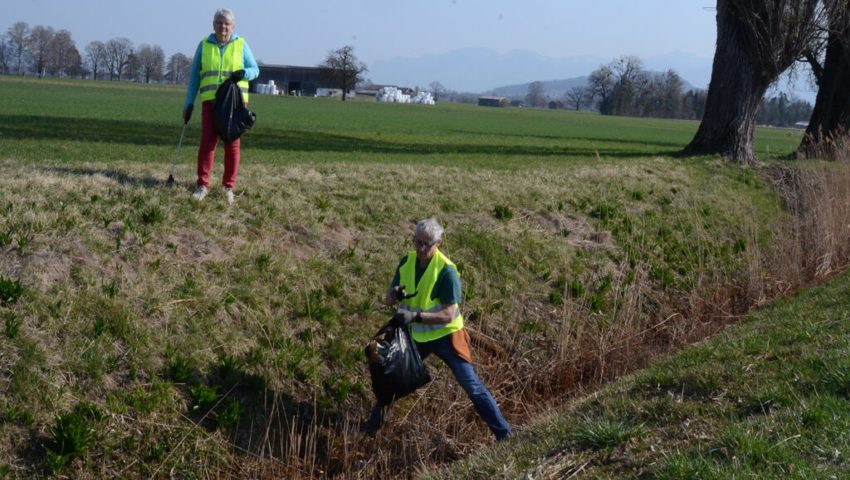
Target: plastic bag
x,y
394,364
230,116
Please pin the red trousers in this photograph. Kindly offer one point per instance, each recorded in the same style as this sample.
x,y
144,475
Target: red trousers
x,y
206,152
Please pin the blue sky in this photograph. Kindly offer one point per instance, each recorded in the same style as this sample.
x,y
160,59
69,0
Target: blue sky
x,y
301,33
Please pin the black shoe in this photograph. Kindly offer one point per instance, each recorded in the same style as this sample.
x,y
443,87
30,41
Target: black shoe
x,y
374,422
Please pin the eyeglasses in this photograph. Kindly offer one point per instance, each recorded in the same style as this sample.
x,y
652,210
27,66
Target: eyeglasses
x,y
417,243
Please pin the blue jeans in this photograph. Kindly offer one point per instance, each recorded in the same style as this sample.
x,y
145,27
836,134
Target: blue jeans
x,y
481,398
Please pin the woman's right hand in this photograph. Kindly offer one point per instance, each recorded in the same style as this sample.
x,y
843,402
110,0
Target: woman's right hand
x,y
187,113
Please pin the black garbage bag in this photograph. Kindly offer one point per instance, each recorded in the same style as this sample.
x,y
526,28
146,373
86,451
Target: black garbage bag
x,y
394,364
231,117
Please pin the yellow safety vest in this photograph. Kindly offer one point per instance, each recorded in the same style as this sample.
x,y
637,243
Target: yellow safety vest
x,y
422,302
216,67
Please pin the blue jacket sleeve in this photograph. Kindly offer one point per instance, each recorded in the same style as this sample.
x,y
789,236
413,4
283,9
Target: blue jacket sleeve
x,y
252,70
194,78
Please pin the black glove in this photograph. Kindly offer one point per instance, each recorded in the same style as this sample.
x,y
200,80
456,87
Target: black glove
x,y
403,317
398,293
237,75
187,113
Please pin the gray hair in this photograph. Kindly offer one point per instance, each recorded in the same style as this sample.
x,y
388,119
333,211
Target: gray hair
x,y
431,228
225,13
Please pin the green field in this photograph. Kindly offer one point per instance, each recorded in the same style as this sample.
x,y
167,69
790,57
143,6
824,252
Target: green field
x,y
147,333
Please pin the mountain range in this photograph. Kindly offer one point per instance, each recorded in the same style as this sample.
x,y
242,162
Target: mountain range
x,y
479,70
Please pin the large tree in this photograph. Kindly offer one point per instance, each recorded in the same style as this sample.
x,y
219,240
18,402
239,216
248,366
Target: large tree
x,y
344,69
39,43
831,113
62,55
151,62
577,96
601,84
118,51
535,95
178,68
630,84
96,57
18,35
5,56
757,40
437,90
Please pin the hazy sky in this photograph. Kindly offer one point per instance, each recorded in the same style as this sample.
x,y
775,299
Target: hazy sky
x,y
301,33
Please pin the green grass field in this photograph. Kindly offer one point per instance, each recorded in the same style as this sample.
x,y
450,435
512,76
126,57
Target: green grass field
x,y
147,333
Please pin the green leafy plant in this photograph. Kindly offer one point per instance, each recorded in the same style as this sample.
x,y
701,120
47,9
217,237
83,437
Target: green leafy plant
x,y
229,413
180,368
502,212
152,215
10,290
12,324
72,434
603,433
204,396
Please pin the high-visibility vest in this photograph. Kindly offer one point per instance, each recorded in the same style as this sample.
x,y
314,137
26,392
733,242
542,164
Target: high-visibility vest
x,y
422,302
217,67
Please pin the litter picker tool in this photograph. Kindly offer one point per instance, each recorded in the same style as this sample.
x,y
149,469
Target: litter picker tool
x,y
170,181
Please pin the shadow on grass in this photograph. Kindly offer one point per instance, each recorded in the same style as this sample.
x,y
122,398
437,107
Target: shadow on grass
x,y
267,423
151,133
117,175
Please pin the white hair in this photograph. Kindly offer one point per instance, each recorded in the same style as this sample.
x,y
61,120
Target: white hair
x,y
225,13
430,228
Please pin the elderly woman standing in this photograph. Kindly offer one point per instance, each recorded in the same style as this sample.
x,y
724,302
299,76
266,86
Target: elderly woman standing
x,y
219,56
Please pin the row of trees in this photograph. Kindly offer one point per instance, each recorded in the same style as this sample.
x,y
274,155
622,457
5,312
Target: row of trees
x,y
42,51
623,87
781,111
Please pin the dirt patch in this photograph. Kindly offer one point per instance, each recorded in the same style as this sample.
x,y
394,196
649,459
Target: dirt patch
x,y
576,230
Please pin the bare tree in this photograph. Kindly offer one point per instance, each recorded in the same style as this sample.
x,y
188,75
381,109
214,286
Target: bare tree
x,y
536,95
38,43
178,68
831,114
18,37
756,41
601,85
630,85
133,70
577,96
5,56
437,90
151,62
671,94
96,57
344,69
62,55
118,52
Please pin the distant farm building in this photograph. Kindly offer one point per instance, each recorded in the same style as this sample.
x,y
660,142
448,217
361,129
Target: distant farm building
x,y
556,104
492,101
306,81
372,89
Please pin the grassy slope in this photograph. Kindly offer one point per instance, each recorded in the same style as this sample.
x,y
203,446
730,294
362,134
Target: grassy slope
x,y
764,399
134,297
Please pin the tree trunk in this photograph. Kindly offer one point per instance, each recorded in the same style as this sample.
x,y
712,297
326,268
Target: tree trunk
x,y
756,41
734,94
831,113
